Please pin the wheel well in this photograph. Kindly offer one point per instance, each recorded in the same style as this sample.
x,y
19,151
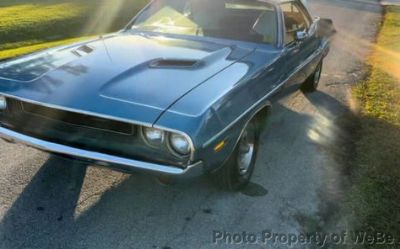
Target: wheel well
x,y
262,114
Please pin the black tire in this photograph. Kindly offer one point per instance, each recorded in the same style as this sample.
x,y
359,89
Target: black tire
x,y
230,177
312,82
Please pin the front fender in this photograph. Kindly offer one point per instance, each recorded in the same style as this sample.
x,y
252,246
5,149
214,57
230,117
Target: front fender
x,y
230,136
218,110
207,150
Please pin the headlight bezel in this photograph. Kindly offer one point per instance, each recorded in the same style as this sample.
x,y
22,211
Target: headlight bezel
x,y
165,144
173,148
153,144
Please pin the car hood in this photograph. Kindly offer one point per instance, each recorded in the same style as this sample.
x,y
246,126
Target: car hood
x,y
127,76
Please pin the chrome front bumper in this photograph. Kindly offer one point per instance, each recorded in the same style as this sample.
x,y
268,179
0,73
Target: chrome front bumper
x,y
101,159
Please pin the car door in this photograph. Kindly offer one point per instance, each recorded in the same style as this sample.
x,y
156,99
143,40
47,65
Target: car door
x,y
297,51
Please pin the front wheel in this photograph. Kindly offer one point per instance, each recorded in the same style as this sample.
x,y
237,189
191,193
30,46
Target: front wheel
x,y
312,82
237,171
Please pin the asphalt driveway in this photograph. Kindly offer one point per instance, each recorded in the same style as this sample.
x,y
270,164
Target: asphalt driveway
x,y
48,202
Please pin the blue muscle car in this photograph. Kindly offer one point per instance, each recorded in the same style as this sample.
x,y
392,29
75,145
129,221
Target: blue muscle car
x,y
181,91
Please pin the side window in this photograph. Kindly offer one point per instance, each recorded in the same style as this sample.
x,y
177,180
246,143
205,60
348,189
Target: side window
x,y
295,20
266,26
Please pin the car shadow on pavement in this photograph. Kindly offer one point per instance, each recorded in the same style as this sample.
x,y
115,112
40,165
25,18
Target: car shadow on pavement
x,y
46,214
53,211
46,202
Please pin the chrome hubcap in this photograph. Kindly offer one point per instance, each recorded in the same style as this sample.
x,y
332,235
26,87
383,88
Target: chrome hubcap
x,y
246,151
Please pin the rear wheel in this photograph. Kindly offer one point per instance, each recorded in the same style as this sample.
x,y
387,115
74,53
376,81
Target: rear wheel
x,y
312,82
237,171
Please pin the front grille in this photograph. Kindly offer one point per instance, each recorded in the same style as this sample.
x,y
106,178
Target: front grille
x,y
79,119
76,119
82,131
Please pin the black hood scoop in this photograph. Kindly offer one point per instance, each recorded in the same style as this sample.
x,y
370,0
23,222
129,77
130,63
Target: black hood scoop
x,y
174,63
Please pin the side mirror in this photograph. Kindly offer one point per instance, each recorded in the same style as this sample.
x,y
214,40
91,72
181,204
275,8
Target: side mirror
x,y
301,35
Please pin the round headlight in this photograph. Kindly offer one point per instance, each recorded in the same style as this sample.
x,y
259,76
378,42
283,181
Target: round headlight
x,y
153,136
179,144
3,103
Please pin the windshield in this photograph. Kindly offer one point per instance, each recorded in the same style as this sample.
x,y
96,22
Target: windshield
x,y
249,20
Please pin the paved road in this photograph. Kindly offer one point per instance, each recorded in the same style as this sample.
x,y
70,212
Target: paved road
x,y
47,202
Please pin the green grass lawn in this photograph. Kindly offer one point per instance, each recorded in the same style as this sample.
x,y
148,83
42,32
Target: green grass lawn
x,y
375,196
28,25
